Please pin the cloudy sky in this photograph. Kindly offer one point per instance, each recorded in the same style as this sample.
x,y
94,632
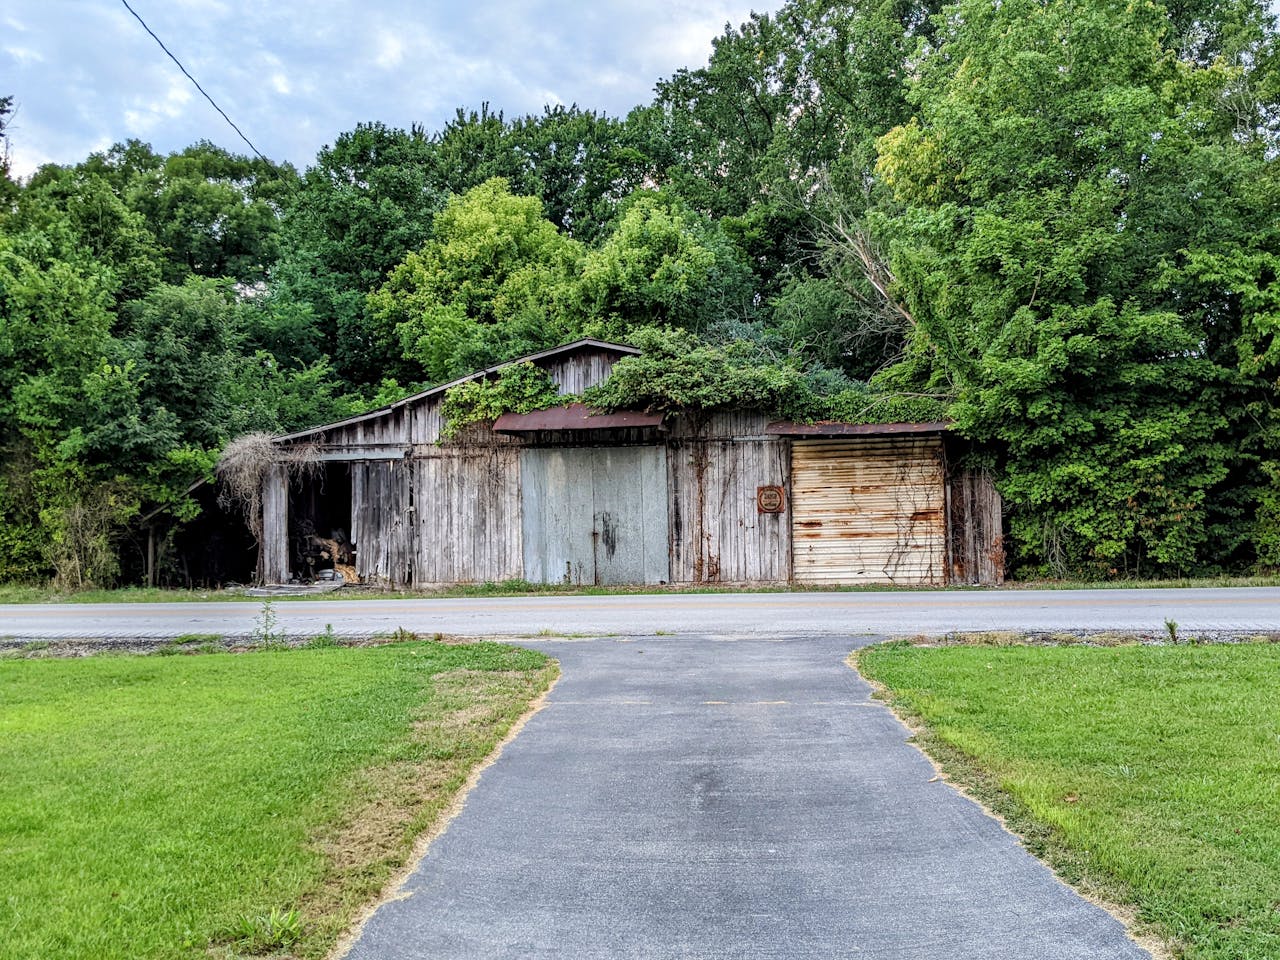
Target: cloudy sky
x,y
293,74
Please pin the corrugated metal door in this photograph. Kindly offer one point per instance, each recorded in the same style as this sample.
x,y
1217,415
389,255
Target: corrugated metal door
x,y
595,515
868,511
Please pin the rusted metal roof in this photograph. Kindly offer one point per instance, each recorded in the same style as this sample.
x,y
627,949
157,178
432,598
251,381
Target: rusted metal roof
x,y
575,416
834,428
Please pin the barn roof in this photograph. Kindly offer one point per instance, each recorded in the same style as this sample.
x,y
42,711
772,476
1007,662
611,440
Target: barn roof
x,y
576,416
586,343
836,428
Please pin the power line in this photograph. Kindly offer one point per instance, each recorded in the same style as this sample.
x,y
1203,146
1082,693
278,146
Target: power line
x,y
193,79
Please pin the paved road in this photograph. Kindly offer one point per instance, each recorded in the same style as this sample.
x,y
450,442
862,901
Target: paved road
x,y
734,614
682,798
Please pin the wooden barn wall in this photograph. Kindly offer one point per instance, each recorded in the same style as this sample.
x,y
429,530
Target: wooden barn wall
x,y
382,528
467,503
573,374
717,533
425,422
869,510
976,528
391,427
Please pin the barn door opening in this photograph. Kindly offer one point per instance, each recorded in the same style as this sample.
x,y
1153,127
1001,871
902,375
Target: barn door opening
x,y
868,511
320,524
594,515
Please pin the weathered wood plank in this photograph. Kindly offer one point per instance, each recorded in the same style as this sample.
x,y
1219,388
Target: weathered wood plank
x,y
274,549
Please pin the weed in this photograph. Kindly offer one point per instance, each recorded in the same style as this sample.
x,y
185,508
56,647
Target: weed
x,y
403,636
268,931
1171,627
189,643
194,638
326,639
266,633
36,646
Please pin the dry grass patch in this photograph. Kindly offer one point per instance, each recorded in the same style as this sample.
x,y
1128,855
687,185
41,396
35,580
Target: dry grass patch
x,y
466,716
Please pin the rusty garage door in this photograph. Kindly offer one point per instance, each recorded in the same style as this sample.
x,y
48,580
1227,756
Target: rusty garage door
x,y
595,515
868,511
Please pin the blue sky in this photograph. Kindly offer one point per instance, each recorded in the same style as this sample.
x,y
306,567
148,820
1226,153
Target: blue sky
x,y
293,75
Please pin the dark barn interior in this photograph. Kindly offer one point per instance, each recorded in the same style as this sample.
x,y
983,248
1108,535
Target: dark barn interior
x,y
320,523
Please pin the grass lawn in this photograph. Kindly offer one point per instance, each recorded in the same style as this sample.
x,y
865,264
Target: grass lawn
x,y
1149,775
188,806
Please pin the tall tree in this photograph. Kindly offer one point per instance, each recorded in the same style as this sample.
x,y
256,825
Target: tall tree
x,y
1065,167
664,264
491,283
368,200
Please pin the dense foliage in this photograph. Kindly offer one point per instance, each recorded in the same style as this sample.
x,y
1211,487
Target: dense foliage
x,y
1055,222
517,388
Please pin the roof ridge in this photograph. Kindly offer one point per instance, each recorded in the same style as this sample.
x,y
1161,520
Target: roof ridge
x,y
440,388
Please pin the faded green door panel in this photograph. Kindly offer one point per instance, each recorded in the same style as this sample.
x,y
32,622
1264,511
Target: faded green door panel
x,y
595,515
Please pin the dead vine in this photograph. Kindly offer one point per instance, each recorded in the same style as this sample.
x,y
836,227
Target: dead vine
x,y
244,464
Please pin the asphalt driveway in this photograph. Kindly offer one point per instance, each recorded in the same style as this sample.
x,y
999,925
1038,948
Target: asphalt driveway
x,y
695,798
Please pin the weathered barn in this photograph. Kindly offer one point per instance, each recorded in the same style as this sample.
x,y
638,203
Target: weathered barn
x,y
574,496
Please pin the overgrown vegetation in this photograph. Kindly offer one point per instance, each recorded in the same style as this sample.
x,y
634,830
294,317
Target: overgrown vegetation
x,y
1142,773
192,824
1053,223
518,388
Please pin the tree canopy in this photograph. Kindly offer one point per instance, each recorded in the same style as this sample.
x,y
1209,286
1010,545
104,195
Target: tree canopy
x,y
1055,223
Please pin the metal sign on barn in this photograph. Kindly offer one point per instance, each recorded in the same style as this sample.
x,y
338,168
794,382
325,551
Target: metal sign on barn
x,y
770,499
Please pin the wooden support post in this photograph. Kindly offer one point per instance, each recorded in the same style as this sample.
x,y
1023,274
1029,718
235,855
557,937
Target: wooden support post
x,y
275,525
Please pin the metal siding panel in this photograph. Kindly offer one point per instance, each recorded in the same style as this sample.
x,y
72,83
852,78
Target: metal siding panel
x,y
533,516
868,511
557,518
654,500
617,543
594,514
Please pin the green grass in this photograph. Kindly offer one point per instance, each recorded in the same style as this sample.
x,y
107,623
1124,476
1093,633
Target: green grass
x,y
1149,775
167,807
25,593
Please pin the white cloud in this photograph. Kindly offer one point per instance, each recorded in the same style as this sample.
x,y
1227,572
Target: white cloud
x,y
24,55
149,115
294,74
389,52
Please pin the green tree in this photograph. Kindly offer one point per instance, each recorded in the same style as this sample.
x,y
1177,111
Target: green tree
x,y
105,227
215,213
55,323
581,164
664,265
368,200
490,284
1039,234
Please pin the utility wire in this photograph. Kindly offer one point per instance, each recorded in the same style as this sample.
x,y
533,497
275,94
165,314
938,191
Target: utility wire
x,y
193,79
